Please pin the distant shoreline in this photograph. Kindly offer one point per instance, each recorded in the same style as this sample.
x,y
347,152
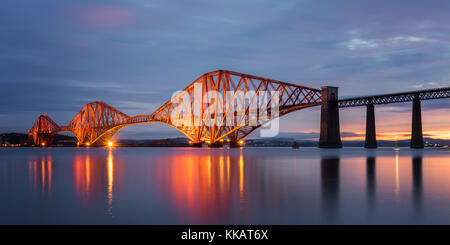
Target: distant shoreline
x,y
23,140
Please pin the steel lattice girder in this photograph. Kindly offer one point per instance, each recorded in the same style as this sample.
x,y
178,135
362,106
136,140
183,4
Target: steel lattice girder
x,y
429,94
95,120
225,94
43,129
216,97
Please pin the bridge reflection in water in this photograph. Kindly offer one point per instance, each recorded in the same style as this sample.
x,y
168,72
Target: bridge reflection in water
x,y
417,185
330,188
40,176
210,188
231,186
330,181
94,178
201,185
371,183
330,184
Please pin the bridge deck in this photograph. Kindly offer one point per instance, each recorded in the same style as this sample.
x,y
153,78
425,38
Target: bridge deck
x,y
428,94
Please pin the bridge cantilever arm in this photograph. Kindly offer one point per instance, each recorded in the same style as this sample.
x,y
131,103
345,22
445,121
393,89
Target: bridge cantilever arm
x,y
203,116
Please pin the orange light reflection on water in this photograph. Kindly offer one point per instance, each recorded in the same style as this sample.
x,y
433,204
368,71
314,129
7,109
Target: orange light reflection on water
x,y
94,178
241,176
200,186
82,175
40,174
110,169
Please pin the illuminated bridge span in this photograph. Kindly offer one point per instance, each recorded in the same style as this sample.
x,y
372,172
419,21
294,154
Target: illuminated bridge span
x,y
218,105
227,105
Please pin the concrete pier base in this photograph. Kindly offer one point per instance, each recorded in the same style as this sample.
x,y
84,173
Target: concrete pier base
x,y
371,138
197,145
330,135
215,145
416,131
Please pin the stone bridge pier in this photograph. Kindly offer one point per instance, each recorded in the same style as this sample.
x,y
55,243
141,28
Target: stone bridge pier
x,y
330,135
329,118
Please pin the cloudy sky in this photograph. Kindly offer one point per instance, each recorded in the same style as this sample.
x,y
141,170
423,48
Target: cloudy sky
x,y
56,56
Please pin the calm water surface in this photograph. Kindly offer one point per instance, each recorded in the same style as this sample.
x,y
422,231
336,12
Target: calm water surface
x,y
224,186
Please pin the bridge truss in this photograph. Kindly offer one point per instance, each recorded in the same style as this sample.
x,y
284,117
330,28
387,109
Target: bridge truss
x,y
218,105
428,94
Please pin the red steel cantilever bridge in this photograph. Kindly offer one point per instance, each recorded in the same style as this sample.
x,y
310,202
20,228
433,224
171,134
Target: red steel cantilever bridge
x,y
203,110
